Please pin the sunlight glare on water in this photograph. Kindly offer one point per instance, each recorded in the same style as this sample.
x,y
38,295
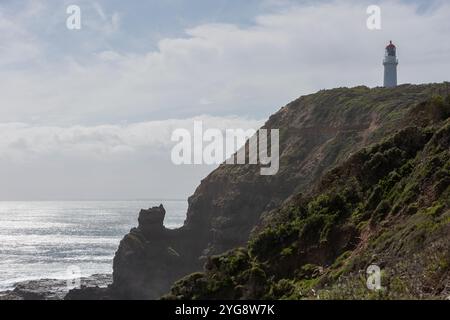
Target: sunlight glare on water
x,y
42,239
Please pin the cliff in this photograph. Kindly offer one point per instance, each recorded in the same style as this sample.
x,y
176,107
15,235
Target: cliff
x,y
318,132
386,205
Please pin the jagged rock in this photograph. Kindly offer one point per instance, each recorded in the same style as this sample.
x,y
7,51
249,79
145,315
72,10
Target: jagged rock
x,y
151,255
52,289
90,293
151,222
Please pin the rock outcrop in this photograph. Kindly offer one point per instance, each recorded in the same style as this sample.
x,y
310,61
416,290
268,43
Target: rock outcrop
x,y
150,254
56,289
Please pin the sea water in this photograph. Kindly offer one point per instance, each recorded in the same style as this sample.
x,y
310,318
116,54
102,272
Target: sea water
x,y
43,240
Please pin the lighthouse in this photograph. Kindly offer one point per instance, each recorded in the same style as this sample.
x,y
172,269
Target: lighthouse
x,y
390,63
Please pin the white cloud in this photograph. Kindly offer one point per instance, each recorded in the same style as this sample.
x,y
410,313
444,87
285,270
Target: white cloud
x,y
100,162
17,44
108,24
24,143
238,70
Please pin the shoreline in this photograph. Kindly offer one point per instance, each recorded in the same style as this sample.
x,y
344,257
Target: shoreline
x,y
52,289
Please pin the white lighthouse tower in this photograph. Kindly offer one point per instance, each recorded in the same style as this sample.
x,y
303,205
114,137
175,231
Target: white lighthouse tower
x,y
390,63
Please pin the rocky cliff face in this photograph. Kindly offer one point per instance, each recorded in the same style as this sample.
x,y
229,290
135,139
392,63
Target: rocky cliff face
x,y
317,133
386,205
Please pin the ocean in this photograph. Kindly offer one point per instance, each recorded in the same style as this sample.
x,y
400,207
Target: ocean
x,y
47,239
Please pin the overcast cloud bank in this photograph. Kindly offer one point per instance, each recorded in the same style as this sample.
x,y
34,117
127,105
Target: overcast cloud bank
x,y
86,115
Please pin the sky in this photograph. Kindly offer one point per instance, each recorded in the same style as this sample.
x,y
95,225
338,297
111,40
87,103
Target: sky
x,y
88,114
